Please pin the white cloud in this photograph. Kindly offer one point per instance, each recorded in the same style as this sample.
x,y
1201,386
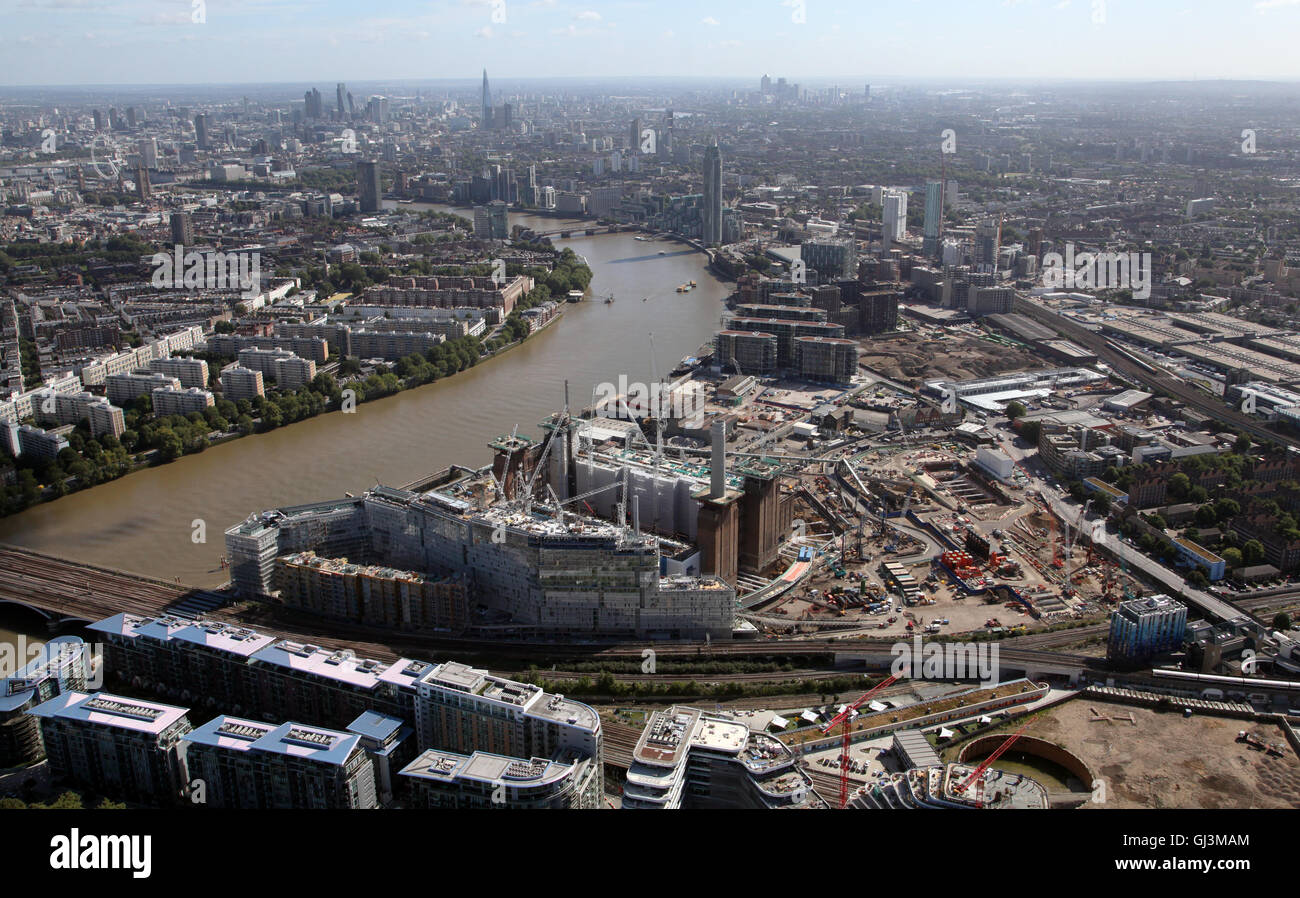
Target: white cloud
x,y
588,15
709,20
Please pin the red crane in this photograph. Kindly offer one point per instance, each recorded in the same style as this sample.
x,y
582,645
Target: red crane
x,y
846,717
985,765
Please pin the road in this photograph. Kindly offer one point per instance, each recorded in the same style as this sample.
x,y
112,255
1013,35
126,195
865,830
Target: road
x,y
1068,510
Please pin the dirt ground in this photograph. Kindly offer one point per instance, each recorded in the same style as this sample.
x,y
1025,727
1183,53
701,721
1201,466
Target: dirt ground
x,y
1168,761
918,357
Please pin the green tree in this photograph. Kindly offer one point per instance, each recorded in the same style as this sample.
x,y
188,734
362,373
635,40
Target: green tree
x,y
169,444
1226,508
1179,485
1030,431
272,417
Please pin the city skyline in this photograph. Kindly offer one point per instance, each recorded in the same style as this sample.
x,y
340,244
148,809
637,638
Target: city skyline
x,y
637,407
1014,39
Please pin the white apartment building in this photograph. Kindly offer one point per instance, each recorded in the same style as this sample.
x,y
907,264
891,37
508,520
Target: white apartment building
x,y
190,372
24,405
181,402
98,371
124,388
895,215
73,408
288,370
239,383
687,758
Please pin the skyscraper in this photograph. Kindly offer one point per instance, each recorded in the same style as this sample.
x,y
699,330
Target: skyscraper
x,y
369,192
147,147
711,211
933,217
313,103
634,136
201,130
987,236
341,95
895,216
487,102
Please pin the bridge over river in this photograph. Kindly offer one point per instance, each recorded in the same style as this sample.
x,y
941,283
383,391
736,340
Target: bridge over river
x,y
65,591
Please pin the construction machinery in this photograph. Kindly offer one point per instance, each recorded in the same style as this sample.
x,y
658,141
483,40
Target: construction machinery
x,y
1055,542
845,718
978,776
1254,741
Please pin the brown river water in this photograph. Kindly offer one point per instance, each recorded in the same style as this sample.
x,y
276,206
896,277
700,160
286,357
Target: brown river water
x,y
144,522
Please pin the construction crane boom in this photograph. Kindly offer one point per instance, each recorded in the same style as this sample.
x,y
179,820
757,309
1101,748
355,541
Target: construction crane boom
x,y
527,500
505,469
845,718
978,775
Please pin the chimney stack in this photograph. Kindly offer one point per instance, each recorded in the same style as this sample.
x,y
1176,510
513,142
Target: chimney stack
x,y
718,469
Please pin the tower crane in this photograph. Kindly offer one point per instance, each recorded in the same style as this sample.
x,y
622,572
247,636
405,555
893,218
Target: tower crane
x,y
500,482
1072,535
526,501
1052,538
978,775
845,718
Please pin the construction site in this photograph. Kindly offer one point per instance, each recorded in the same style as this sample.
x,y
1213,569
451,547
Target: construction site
x,y
939,546
930,352
1153,758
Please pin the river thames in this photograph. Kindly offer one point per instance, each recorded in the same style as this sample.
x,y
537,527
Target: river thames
x,y
145,522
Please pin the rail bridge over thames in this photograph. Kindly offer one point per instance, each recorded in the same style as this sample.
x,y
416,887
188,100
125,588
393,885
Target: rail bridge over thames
x,y
65,592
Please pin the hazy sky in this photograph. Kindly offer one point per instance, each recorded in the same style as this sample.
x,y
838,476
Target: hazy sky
x,y
323,41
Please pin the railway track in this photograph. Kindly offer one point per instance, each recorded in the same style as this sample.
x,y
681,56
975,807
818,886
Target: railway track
x,y
619,742
68,589
1163,383
826,783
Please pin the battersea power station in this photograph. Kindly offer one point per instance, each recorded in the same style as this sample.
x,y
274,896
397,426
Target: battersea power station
x,y
580,533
